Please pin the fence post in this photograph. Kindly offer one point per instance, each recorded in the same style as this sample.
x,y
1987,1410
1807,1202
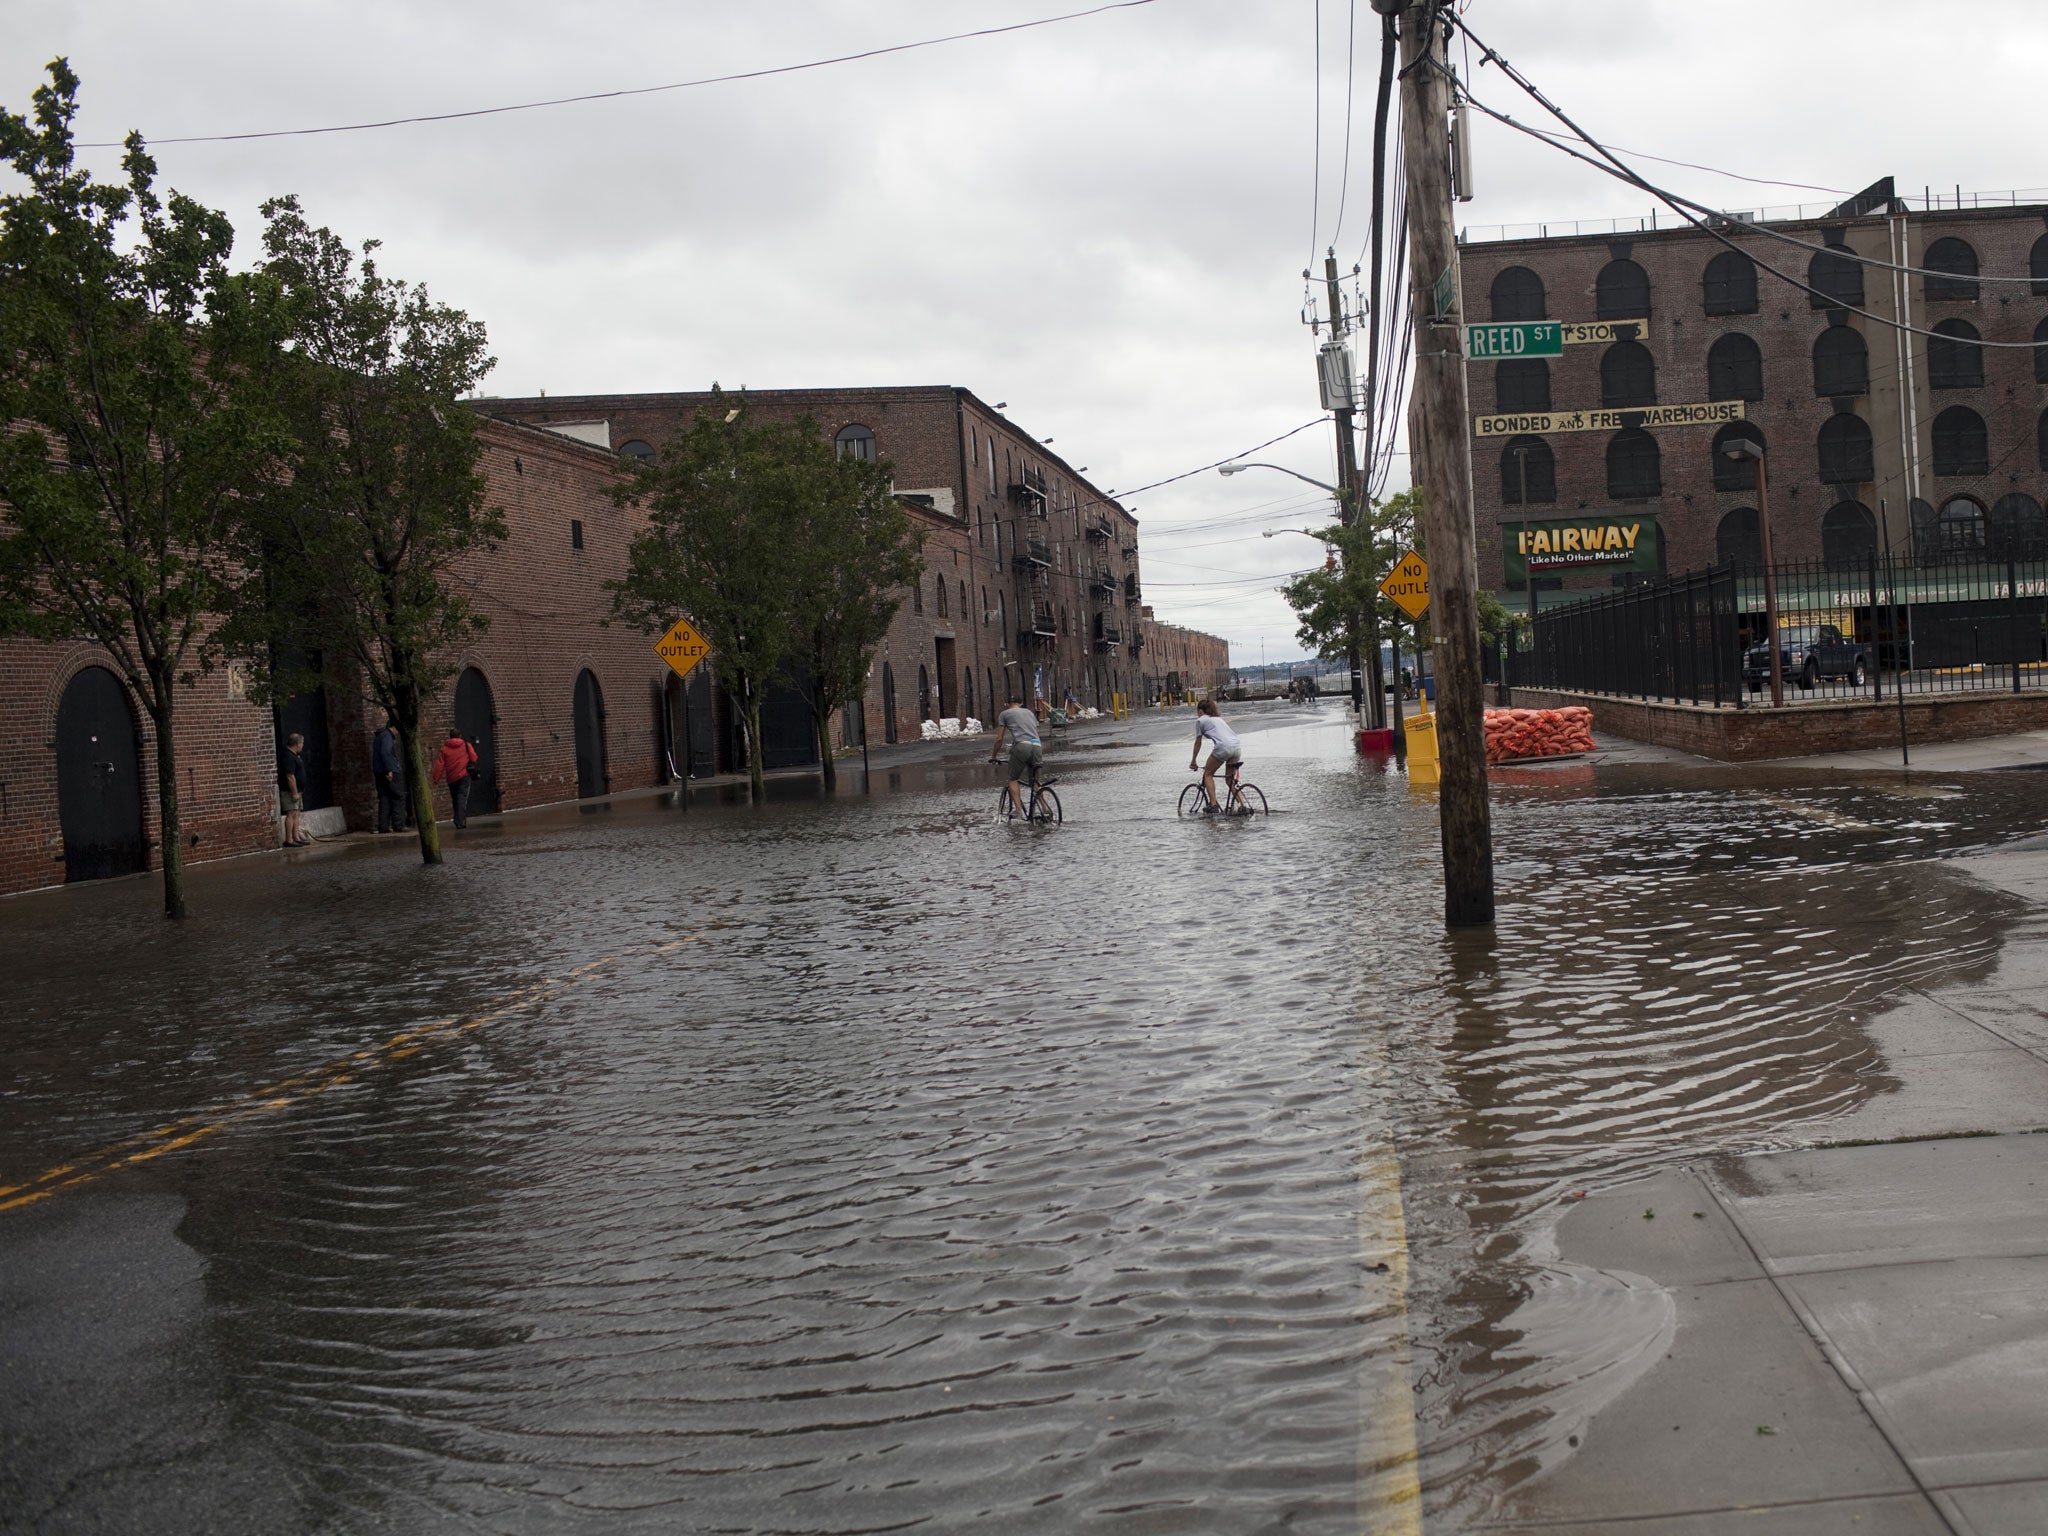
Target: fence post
x,y
2012,598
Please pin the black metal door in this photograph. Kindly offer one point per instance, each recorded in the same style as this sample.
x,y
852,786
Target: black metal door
x,y
590,763
99,780
476,719
888,702
701,723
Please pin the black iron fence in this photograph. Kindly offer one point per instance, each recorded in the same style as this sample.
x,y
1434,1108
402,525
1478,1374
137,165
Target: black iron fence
x,y
1845,631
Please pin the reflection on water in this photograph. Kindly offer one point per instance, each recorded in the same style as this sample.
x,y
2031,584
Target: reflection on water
x,y
918,1172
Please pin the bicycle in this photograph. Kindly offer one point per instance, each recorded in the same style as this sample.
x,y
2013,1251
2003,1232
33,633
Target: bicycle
x,y
1242,799
1041,805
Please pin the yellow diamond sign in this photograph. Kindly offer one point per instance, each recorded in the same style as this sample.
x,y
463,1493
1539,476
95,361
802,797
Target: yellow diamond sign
x,y
1407,585
682,648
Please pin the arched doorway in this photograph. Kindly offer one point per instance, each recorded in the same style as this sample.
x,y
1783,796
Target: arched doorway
x,y
591,771
476,720
888,703
99,779
924,692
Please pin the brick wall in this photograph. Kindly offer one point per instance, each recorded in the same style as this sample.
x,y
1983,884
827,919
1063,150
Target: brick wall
x,y
226,765
1748,735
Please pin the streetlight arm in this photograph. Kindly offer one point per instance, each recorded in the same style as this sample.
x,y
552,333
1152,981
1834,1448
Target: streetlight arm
x,y
1323,485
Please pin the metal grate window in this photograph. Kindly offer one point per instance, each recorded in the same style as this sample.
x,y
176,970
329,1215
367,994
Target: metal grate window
x,y
1739,540
1628,375
1845,451
1951,269
1621,292
1730,284
1954,359
1836,281
1848,535
1521,384
1517,294
1841,362
1635,470
1735,474
1960,445
1527,460
1735,369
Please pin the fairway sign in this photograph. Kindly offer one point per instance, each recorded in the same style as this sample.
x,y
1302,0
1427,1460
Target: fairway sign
x,y
682,648
1407,585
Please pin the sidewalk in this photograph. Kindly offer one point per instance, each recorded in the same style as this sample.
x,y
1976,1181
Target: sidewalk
x,y
1862,1328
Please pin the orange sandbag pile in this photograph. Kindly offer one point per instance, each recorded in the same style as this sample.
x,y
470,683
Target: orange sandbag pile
x,y
1513,734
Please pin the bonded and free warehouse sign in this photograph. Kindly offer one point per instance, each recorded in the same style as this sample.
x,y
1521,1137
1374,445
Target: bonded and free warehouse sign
x,y
1711,413
1619,544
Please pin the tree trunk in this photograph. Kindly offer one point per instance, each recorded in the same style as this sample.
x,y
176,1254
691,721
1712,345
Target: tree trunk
x,y
821,716
757,779
419,789
169,824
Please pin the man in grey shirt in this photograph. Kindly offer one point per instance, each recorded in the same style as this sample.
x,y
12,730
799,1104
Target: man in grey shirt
x,y
1026,750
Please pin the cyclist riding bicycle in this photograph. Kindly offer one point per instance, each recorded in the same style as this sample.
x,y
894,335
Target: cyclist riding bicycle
x,y
1226,753
1026,750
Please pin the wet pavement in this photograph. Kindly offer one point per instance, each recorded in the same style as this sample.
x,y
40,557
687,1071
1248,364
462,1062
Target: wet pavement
x,y
862,1164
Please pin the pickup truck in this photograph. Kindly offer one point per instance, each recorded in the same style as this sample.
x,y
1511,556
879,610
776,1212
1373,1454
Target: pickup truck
x,y
1808,653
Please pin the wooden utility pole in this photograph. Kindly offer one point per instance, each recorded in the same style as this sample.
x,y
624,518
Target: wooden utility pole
x,y
1352,504
1441,462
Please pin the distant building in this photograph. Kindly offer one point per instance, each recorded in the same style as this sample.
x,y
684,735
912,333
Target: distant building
x,y
1031,573
1939,440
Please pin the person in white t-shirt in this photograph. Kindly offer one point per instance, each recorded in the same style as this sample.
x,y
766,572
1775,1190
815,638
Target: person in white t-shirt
x,y
1225,753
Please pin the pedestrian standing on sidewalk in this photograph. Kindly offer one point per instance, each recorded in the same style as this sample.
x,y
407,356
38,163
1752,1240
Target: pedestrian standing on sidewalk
x,y
291,789
451,766
390,777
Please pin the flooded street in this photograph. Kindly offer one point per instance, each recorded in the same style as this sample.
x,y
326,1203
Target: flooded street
x,y
863,1164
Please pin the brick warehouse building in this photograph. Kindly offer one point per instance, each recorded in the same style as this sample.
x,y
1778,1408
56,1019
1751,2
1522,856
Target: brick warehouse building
x,y
1942,442
1032,574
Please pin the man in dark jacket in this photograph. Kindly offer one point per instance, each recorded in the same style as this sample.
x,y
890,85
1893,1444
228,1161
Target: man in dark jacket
x,y
389,773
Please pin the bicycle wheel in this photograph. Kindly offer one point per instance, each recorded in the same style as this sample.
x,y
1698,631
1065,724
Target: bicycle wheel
x,y
1047,808
1249,800
1192,801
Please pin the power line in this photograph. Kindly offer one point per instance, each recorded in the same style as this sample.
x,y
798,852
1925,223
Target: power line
x,y
1315,191
1686,209
1137,490
1344,176
643,90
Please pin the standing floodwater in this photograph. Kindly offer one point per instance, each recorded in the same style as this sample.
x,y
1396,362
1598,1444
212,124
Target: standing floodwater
x,y
865,1164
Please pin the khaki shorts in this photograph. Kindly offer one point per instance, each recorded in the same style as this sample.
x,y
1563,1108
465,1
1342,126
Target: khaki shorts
x,y
1025,756
1218,761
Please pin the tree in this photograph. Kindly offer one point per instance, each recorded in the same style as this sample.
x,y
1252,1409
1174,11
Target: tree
x,y
729,505
864,551
1337,605
350,559
134,422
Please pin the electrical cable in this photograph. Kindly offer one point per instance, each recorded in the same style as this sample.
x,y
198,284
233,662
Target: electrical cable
x,y
1154,485
1686,207
643,90
1315,191
1344,177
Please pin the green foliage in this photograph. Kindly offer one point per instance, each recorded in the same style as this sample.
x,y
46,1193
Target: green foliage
x,y
350,559
1335,608
136,421
863,550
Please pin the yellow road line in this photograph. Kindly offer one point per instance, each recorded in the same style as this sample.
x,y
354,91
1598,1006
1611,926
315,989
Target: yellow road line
x,y
1389,1473
143,1146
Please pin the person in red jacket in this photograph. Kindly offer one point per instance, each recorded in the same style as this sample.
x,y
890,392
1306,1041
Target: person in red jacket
x,y
451,766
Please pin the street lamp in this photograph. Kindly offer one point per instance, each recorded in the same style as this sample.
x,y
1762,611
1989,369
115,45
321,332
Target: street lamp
x,y
1349,513
1749,448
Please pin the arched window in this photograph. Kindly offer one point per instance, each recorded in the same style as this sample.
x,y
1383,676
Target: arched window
x,y
1848,535
1522,384
2037,266
1954,359
888,702
1735,369
1735,474
1835,280
1841,362
1527,458
1628,375
1739,540
1960,447
855,442
1517,294
1621,292
1951,269
634,448
2019,528
939,591
1634,470
1845,452
2041,352
917,596
1730,284
1959,534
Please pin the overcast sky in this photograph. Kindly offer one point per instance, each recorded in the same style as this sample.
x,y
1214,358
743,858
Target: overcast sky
x,y
1102,222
